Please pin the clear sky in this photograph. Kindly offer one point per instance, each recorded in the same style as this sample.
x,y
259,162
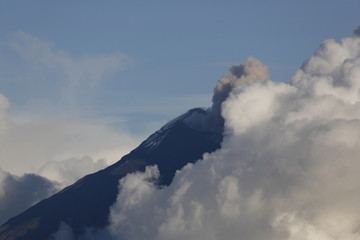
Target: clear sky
x,y
133,65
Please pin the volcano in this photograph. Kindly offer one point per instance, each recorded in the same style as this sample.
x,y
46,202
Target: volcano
x,y
86,203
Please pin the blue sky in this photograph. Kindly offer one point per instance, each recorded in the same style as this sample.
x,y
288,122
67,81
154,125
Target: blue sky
x,y
178,49
133,65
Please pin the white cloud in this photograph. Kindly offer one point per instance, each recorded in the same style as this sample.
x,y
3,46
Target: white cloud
x,y
64,232
288,167
29,142
69,170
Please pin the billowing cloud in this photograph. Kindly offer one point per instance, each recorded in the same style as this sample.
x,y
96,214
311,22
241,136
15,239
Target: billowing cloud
x,y
249,72
17,193
64,232
252,70
288,167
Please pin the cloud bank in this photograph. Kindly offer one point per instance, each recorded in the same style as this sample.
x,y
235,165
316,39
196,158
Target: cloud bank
x,y
288,167
19,193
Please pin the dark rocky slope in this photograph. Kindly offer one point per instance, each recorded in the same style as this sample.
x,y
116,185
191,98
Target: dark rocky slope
x,y
86,203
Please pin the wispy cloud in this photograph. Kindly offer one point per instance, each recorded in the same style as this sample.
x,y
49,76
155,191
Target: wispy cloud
x,y
17,193
72,75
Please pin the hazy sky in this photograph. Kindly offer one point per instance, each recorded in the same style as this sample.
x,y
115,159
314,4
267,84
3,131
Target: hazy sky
x,y
93,78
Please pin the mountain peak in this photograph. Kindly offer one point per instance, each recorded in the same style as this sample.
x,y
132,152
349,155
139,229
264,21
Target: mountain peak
x,y
181,141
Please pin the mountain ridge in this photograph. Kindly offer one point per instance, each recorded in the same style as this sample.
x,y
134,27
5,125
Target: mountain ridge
x,y
170,148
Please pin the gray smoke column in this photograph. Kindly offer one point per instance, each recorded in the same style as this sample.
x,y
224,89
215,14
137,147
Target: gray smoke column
x,y
250,71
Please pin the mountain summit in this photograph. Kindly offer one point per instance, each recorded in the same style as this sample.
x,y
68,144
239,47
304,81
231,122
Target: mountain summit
x,y
86,203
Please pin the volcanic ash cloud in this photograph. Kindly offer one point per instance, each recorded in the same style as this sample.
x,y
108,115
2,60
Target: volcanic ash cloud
x,y
244,74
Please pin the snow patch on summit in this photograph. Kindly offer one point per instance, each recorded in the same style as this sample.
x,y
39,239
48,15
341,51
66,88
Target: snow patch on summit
x,y
187,118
